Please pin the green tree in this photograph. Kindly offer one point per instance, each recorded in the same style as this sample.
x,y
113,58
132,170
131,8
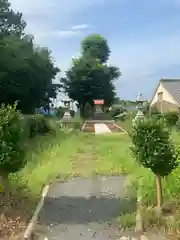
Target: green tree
x,y
95,46
26,71
11,22
89,78
152,148
28,77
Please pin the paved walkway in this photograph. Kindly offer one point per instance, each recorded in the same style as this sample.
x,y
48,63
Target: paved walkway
x,y
101,128
84,209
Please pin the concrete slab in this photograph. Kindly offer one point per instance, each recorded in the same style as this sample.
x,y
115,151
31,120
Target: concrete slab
x,y
101,128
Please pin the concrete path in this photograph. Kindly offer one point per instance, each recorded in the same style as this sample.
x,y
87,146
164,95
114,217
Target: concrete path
x,y
86,209
101,128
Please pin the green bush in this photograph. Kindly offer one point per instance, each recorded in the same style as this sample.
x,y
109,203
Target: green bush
x,y
152,146
11,140
171,117
37,125
153,149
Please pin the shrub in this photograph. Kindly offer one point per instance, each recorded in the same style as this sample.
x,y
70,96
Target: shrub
x,y
37,125
152,148
171,117
11,140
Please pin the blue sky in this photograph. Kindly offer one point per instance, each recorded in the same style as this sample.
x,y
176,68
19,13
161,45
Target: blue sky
x,y
144,36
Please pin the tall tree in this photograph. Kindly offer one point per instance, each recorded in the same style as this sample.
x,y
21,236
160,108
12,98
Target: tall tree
x,y
31,82
26,71
89,76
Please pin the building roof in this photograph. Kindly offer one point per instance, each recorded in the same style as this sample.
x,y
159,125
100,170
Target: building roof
x,y
173,87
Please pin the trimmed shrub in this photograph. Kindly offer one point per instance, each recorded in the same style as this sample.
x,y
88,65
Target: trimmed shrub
x,y
171,118
11,140
153,149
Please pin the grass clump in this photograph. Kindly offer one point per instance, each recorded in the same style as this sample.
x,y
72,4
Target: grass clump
x,y
48,157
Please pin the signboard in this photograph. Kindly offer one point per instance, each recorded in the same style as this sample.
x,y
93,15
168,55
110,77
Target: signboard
x,y
99,102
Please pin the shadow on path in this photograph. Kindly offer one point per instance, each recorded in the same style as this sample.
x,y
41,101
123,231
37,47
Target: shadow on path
x,y
81,210
85,209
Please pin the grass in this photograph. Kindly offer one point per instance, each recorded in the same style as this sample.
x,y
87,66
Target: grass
x,y
47,158
83,154
126,125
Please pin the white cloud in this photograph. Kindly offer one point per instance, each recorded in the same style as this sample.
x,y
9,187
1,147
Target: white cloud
x,y
51,21
45,14
80,27
59,33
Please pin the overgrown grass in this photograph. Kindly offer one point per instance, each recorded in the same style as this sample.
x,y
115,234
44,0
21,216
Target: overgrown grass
x,y
81,154
75,153
126,125
48,157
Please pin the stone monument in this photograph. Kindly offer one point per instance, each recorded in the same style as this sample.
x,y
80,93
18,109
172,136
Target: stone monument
x,y
139,107
67,115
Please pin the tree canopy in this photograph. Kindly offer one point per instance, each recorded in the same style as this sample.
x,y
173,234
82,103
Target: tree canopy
x,y
26,70
11,22
96,47
90,77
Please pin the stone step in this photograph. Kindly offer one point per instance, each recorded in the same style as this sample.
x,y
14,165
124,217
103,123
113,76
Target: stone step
x,y
114,128
101,128
90,126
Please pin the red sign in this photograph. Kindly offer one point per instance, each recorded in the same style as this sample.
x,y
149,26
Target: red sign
x,y
99,102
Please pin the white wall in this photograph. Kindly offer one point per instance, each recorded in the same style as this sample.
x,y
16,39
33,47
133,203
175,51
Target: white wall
x,y
166,96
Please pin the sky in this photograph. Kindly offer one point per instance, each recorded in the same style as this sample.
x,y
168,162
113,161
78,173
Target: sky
x,y
143,35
